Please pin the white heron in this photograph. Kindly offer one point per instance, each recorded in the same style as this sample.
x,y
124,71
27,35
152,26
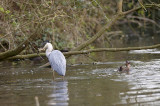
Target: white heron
x,y
56,60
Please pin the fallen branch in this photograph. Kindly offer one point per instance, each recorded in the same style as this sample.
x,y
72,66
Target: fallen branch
x,y
17,50
88,51
28,56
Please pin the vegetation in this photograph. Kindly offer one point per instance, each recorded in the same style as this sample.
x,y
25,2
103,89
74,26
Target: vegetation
x,y
72,24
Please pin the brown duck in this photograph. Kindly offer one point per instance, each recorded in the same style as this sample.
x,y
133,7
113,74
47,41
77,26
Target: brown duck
x,y
126,68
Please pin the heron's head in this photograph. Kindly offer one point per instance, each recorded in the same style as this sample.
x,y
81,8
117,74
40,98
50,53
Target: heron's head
x,y
48,47
45,42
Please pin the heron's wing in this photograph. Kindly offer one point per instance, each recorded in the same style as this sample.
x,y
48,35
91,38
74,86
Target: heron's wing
x,y
58,62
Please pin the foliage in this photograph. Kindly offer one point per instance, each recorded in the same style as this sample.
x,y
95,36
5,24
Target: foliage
x,y
66,23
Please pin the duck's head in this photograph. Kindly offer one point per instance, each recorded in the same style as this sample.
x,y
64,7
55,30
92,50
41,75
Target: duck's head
x,y
127,64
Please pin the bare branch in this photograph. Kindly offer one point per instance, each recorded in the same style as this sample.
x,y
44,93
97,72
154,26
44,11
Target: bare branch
x,y
145,19
120,6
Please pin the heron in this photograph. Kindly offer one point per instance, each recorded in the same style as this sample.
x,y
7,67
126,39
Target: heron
x,y
56,59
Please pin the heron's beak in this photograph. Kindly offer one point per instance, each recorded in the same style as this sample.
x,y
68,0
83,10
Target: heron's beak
x,y
40,49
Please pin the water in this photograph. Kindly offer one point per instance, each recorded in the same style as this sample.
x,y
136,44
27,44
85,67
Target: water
x,y
88,84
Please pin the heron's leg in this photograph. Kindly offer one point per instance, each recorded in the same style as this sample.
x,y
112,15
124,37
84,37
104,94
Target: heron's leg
x,y
63,77
53,75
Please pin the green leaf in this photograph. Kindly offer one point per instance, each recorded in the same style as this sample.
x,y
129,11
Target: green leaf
x,y
53,20
141,12
14,23
1,9
7,12
130,5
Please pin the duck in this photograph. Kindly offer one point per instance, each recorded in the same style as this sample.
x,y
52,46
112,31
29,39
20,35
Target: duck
x,y
126,68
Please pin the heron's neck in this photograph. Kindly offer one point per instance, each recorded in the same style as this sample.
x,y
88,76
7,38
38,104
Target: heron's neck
x,y
49,49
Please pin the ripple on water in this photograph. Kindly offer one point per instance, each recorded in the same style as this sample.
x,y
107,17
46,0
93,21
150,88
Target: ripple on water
x,y
144,85
149,51
104,72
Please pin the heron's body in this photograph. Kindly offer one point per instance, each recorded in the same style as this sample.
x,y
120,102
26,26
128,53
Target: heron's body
x,y
57,62
56,59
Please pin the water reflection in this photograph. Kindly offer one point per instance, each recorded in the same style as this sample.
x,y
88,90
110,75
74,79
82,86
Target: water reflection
x,y
59,96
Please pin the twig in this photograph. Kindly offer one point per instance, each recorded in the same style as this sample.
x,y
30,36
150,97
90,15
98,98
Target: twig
x,y
3,46
37,101
142,5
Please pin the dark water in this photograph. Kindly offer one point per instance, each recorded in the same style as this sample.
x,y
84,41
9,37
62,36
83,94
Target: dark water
x,y
88,84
